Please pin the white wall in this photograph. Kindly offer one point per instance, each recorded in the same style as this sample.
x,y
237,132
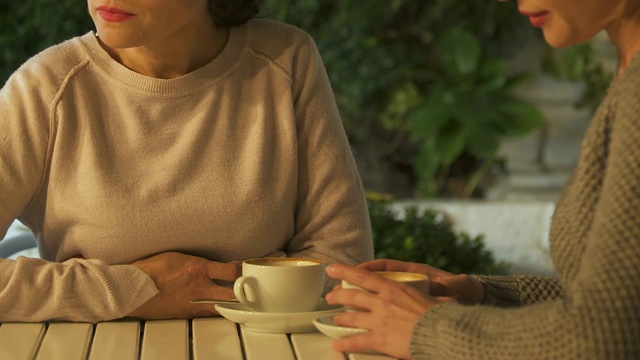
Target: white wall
x,y
516,232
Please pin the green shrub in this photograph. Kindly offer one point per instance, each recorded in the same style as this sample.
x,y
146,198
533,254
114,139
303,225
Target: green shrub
x,y
427,237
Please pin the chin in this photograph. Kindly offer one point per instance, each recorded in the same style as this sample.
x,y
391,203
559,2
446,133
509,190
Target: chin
x,y
557,43
565,39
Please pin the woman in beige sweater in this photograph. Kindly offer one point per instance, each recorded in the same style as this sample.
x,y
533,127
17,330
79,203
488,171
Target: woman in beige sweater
x,y
592,311
153,156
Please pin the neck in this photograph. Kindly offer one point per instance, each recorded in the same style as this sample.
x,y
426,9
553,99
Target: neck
x,y
182,53
624,34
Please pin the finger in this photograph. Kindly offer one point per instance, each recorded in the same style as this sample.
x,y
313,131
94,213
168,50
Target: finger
x,y
404,298
445,299
360,277
356,343
376,265
354,319
207,290
402,266
350,297
223,271
437,288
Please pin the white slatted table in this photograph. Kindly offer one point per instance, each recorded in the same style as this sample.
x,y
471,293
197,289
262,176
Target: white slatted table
x,y
199,339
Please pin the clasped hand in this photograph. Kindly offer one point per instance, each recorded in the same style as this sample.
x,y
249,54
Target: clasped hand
x,y
391,310
181,278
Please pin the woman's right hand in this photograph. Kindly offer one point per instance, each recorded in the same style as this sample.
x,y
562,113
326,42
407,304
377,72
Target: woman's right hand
x,y
463,288
181,278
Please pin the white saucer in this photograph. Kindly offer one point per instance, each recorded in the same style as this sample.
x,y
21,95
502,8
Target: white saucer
x,y
327,326
280,323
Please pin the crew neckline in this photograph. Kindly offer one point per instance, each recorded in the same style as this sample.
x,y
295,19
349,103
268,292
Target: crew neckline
x,y
215,70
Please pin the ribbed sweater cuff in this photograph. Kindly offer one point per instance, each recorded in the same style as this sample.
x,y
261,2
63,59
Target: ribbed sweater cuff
x,y
128,287
501,291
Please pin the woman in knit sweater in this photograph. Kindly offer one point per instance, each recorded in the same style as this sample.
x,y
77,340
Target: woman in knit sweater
x,y
153,156
592,311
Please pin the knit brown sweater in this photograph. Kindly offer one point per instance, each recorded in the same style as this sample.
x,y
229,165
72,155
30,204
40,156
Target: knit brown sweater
x,y
592,311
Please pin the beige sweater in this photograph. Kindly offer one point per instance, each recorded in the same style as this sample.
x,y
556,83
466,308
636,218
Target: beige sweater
x,y
245,157
593,310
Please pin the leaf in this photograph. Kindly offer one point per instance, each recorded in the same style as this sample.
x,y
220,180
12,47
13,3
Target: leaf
x,y
493,77
450,143
523,115
466,112
428,159
484,142
427,120
459,52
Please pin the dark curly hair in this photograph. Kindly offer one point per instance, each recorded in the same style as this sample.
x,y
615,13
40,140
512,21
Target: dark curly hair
x,y
234,12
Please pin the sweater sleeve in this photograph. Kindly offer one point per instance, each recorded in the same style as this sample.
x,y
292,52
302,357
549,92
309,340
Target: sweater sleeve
x,y
332,220
597,317
75,290
505,291
34,289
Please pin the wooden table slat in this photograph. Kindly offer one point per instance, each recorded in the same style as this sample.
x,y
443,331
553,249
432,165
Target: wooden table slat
x,y
215,338
66,341
263,346
211,338
314,346
116,340
20,341
165,340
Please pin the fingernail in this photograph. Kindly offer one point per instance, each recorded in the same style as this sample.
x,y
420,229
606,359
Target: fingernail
x,y
331,269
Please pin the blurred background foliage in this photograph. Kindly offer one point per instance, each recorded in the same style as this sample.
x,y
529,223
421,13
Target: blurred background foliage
x,y
424,87
428,237
29,26
396,67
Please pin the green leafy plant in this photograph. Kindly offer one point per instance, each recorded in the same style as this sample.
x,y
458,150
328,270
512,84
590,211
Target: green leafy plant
x,y
381,59
428,237
468,110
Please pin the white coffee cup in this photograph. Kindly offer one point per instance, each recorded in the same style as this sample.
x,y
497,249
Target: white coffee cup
x,y
281,284
419,281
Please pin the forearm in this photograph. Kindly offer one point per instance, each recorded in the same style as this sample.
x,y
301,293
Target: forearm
x,y
552,330
35,290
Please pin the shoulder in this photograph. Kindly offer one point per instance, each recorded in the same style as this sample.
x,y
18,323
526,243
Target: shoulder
x,y
269,34
285,45
626,88
49,69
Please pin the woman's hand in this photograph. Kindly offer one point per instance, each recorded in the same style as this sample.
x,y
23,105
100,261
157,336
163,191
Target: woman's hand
x,y
390,311
462,288
181,278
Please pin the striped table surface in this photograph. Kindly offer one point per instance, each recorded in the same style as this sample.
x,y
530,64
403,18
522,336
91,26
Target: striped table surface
x,y
198,339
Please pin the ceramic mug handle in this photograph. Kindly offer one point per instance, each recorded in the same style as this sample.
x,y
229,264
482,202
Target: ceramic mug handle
x,y
240,287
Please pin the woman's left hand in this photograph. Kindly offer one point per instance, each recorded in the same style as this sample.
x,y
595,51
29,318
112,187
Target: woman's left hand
x,y
390,311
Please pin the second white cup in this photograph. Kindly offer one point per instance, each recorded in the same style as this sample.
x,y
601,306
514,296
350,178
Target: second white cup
x,y
419,281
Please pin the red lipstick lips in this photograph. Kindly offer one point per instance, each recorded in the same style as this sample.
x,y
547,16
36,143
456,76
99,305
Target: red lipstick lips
x,y
537,19
112,14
